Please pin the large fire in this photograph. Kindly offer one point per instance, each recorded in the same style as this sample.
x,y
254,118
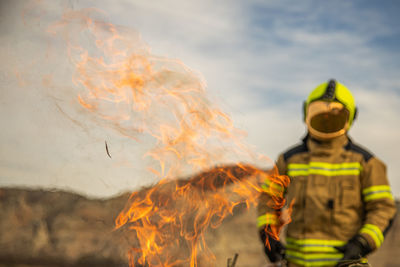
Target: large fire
x,y
136,93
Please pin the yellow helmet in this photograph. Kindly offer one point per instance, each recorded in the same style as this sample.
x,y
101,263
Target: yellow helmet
x,y
329,110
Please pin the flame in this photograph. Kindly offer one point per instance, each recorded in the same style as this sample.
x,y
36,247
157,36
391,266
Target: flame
x,y
136,93
175,214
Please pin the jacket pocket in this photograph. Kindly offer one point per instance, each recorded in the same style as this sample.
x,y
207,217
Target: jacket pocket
x,y
347,192
347,214
296,193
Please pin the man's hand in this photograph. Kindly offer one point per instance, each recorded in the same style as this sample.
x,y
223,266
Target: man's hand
x,y
356,248
277,251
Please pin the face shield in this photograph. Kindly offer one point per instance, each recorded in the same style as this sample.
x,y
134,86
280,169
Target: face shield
x,y
327,120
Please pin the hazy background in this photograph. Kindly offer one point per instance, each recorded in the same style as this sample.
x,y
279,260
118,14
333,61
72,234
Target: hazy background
x,y
260,60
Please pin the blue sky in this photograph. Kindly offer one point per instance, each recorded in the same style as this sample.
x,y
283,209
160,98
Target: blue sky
x,y
260,60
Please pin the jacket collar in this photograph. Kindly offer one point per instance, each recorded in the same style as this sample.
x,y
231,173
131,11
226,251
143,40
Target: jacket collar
x,y
332,146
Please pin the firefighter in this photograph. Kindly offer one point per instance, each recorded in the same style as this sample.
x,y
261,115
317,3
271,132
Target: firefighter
x,y
342,205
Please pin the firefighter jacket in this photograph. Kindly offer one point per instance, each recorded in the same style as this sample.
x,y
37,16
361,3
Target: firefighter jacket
x,y
338,190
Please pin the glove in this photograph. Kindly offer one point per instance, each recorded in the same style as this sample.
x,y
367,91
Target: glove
x,y
277,251
356,248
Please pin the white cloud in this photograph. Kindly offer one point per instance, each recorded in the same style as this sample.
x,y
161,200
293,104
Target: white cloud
x,y
378,128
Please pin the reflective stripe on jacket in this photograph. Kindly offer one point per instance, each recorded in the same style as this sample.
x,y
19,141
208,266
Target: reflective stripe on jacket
x,y
338,190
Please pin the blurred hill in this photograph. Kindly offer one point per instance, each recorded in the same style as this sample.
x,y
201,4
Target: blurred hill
x,y
55,228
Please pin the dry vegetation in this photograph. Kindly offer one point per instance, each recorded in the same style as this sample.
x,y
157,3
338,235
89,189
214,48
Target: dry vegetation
x,y
51,228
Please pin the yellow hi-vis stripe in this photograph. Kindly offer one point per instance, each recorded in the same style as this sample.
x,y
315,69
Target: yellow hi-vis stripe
x,y
313,259
267,219
377,192
323,168
273,188
374,232
313,245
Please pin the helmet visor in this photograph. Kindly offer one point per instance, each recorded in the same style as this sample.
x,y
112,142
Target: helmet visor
x,y
327,119
330,122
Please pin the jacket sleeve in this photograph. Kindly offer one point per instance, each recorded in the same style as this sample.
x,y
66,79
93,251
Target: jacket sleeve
x,y
379,205
272,197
